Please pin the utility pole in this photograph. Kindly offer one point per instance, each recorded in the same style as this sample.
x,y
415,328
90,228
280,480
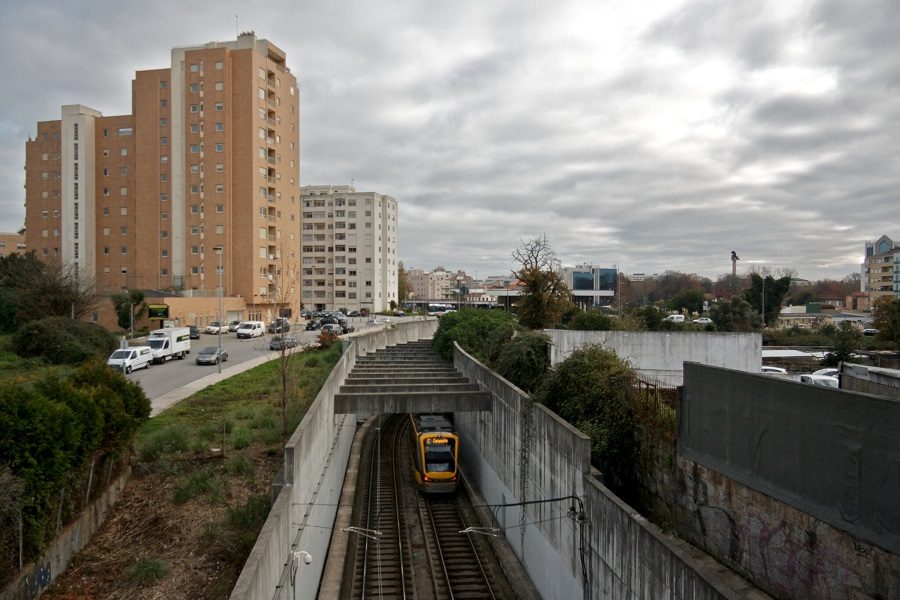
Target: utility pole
x,y
734,259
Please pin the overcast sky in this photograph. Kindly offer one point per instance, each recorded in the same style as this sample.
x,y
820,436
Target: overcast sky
x,y
649,135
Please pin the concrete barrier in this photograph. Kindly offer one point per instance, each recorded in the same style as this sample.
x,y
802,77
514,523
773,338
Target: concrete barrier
x,y
572,534
659,355
315,460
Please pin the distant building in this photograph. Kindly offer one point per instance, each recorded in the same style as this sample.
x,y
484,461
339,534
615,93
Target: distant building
x,y
12,242
643,277
590,285
880,273
438,284
348,249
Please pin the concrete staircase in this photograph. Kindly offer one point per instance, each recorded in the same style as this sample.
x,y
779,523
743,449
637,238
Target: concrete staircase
x,y
409,377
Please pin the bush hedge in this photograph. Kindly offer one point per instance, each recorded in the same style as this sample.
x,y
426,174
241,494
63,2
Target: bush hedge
x,y
60,340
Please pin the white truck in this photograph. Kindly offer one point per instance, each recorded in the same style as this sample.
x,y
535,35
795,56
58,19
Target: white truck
x,y
169,342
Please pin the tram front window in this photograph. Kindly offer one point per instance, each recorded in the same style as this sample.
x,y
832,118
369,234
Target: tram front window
x,y
439,460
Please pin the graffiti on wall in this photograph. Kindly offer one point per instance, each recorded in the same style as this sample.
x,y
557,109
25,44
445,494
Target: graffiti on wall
x,y
34,583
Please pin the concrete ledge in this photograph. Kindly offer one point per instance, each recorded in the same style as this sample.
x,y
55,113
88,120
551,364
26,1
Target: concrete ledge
x,y
412,402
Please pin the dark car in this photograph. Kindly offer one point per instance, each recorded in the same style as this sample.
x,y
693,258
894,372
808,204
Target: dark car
x,y
282,343
194,332
347,327
210,356
233,326
279,325
314,325
354,313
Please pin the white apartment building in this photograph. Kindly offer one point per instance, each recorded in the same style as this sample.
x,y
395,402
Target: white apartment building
x,y
348,249
438,284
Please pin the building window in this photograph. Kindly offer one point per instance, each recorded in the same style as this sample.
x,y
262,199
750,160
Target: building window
x,y
220,168
220,106
124,249
163,103
220,126
196,87
163,84
164,234
195,108
194,67
220,147
164,160
164,271
220,229
195,148
164,253
164,216
123,151
164,177
220,188
106,210
163,197
123,171
219,65
123,210
163,141
106,250
163,122
123,191
123,230
220,86
125,131
106,153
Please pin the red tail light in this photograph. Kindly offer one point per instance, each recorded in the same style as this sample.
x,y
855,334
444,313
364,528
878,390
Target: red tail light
x,y
425,478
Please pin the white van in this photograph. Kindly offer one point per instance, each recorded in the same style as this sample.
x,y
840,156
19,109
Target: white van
x,y
675,319
131,358
251,329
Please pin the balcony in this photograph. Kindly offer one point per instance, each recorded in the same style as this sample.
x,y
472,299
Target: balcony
x,y
272,219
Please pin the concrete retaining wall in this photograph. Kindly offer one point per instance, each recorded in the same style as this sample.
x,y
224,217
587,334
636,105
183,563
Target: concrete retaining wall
x,y
37,577
315,460
522,452
871,380
658,355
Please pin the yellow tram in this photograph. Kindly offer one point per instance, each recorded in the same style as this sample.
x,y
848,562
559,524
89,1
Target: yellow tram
x,y
436,453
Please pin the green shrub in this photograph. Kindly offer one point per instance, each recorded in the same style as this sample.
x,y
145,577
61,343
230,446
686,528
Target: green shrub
x,y
481,333
240,466
524,360
60,340
594,390
241,439
172,439
147,571
590,320
199,483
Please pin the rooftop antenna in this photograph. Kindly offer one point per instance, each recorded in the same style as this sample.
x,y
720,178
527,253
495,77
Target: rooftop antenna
x,y
235,26
352,182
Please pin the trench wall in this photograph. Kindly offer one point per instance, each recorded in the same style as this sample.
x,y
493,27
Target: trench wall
x,y
315,461
522,452
37,576
793,485
658,355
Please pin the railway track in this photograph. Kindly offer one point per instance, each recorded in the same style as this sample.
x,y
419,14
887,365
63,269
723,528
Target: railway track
x,y
459,568
383,567
412,546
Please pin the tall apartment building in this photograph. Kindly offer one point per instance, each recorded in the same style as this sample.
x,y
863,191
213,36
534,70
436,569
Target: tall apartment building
x,y
348,249
438,284
207,162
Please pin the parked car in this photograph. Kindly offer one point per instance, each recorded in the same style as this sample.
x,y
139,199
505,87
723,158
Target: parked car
x,y
279,325
674,319
233,326
354,313
773,370
215,328
333,328
399,313
823,380
194,332
280,343
346,327
250,329
828,372
870,331
703,321
129,359
314,325
211,356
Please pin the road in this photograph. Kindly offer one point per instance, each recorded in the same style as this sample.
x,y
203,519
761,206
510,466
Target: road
x,y
173,374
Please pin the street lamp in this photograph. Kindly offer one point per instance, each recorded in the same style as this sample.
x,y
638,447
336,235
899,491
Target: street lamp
x,y
219,250
458,292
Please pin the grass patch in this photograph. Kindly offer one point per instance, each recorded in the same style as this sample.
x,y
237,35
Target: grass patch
x,y
241,439
199,483
239,466
147,571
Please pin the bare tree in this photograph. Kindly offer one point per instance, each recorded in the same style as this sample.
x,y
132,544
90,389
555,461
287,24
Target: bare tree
x,y
286,279
545,295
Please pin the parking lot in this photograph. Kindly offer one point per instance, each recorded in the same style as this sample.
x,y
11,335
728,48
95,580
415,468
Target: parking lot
x,y
173,374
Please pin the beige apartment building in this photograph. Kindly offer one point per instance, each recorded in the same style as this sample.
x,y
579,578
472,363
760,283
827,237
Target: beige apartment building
x,y
880,273
205,169
12,242
348,249
438,284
